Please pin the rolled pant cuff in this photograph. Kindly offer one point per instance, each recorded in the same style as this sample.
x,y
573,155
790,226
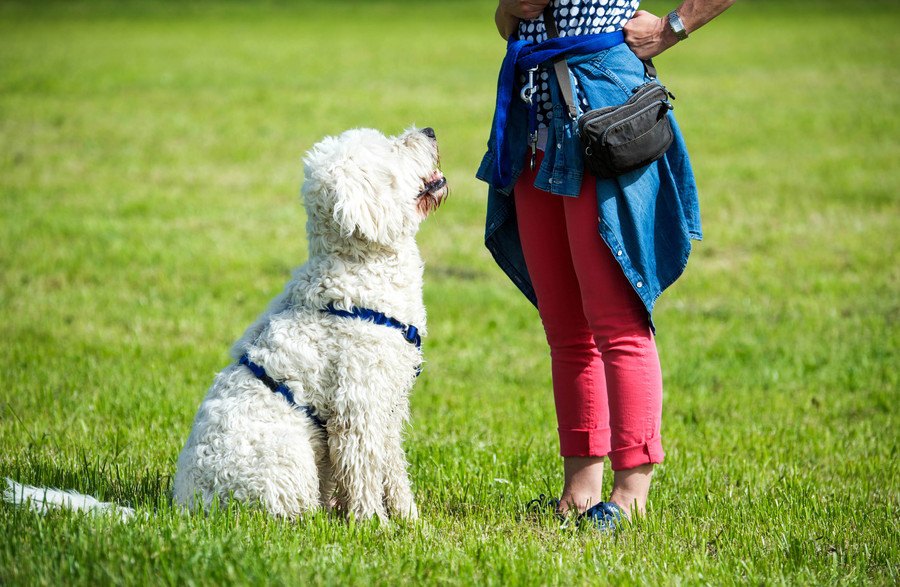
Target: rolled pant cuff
x,y
584,443
629,457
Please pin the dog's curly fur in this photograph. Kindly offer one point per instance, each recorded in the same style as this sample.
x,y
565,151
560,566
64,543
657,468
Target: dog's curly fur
x,y
365,195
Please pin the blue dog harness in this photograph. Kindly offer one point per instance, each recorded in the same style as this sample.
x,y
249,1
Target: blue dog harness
x,y
410,335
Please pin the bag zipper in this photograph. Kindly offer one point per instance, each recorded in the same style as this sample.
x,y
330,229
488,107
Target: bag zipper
x,y
639,93
657,104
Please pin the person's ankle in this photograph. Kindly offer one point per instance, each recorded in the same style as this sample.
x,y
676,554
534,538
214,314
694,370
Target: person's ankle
x,y
583,485
576,502
631,504
631,488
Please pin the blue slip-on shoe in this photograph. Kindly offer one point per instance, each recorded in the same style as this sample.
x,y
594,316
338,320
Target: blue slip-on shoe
x,y
605,516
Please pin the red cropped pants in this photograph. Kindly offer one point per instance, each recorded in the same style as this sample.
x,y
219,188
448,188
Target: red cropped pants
x,y
607,383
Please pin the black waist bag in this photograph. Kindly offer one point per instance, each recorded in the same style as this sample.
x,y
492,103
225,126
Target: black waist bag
x,y
619,139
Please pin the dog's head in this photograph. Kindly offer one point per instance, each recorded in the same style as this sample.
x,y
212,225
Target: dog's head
x,y
365,186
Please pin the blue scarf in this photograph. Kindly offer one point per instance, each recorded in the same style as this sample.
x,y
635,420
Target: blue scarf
x,y
524,55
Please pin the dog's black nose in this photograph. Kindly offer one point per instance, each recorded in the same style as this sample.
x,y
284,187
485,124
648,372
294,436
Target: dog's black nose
x,y
429,132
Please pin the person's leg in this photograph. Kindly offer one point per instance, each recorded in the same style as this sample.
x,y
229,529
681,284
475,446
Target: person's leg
x,y
578,379
621,328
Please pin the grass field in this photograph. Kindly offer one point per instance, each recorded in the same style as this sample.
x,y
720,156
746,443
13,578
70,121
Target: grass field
x,y
149,174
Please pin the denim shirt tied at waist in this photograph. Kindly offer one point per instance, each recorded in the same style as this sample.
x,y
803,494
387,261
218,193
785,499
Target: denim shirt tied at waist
x,y
647,217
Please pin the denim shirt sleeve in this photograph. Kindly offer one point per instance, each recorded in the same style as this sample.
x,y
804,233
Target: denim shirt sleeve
x,y
647,217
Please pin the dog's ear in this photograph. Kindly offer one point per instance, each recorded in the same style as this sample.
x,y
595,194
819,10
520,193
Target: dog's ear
x,y
364,202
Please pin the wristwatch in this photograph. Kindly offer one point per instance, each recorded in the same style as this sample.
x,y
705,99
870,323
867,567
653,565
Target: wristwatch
x,y
677,26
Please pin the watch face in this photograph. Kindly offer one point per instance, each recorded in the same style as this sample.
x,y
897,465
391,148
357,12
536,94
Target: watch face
x,y
677,26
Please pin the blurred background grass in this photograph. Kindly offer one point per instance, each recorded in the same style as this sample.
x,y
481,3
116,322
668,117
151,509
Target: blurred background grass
x,y
149,173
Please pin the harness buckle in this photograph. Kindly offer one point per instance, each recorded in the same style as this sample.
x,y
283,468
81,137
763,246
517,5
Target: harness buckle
x,y
411,334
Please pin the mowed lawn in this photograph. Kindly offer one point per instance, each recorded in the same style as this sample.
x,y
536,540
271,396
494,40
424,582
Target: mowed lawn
x,y
149,179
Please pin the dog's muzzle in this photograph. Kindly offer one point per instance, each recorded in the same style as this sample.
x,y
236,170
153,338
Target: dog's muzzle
x,y
435,189
436,186
433,194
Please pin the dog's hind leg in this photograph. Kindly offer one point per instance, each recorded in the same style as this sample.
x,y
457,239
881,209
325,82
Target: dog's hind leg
x,y
275,470
248,444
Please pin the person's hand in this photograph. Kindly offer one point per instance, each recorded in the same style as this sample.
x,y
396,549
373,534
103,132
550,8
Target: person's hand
x,y
510,11
524,9
648,35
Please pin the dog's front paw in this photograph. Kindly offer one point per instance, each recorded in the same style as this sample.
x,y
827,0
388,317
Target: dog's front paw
x,y
412,513
405,510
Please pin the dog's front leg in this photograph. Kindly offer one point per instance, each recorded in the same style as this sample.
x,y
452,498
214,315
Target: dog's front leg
x,y
356,448
328,497
398,495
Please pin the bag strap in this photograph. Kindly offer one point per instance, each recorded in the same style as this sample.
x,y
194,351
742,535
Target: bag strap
x,y
560,65
562,68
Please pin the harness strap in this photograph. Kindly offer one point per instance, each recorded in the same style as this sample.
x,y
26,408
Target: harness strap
x,y
281,389
410,332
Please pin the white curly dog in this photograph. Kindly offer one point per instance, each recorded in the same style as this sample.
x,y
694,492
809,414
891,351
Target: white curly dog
x,y
312,412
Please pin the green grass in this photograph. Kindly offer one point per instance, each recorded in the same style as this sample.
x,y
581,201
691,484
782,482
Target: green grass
x,y
149,173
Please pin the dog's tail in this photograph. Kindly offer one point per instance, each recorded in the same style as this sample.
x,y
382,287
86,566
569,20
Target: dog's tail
x,y
43,499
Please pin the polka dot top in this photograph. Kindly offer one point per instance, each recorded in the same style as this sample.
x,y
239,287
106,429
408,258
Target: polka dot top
x,y
574,17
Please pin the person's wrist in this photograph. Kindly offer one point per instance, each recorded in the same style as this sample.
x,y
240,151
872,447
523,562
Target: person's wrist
x,y
667,36
676,26
506,22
